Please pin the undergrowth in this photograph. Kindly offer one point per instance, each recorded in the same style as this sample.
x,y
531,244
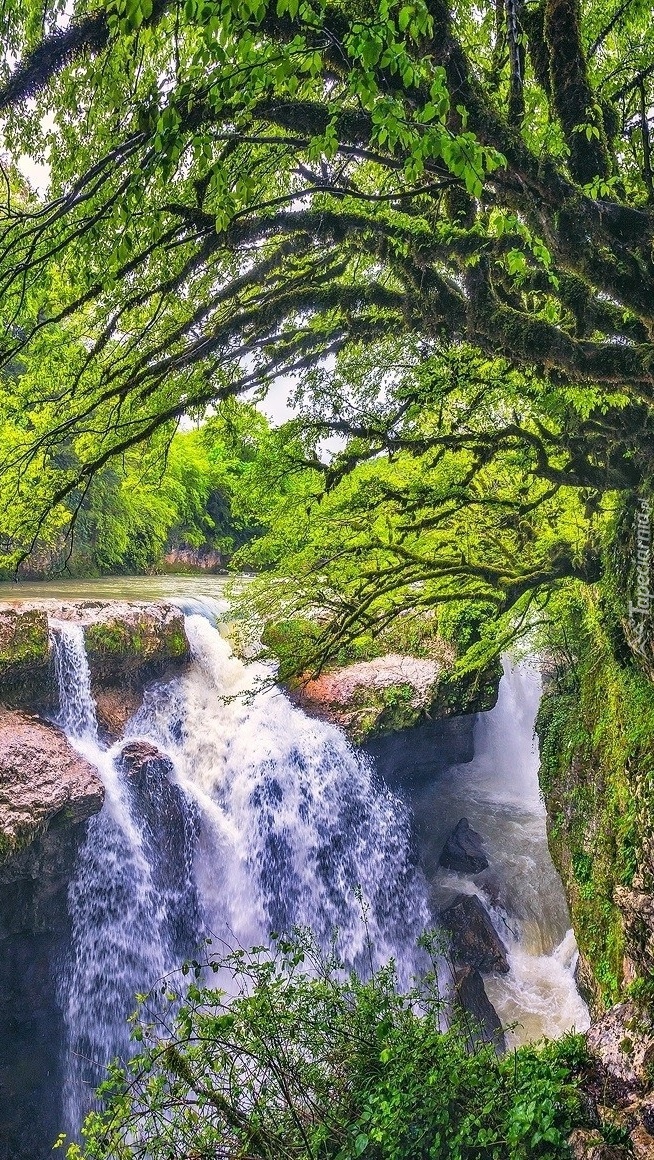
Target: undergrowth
x,y
307,1062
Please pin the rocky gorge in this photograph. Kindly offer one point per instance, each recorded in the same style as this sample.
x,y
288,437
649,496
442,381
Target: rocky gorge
x,y
51,790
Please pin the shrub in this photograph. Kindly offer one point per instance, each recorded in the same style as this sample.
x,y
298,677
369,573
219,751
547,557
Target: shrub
x,y
306,1062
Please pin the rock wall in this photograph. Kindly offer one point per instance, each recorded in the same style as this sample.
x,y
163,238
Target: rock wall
x,y
128,644
47,794
596,729
184,558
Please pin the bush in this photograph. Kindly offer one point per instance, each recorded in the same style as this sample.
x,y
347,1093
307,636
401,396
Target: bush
x,y
304,1061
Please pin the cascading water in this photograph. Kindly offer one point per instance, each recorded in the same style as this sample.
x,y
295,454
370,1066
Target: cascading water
x,y
499,794
276,822
126,908
76,705
293,820
249,816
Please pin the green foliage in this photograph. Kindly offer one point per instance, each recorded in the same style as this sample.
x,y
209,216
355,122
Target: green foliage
x,y
596,729
426,526
243,189
303,1061
181,489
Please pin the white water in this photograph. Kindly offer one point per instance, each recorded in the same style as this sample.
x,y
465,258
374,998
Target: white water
x,y
499,794
76,704
126,917
273,820
291,822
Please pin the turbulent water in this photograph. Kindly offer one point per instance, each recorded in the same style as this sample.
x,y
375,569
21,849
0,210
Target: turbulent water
x,y
498,792
289,823
259,818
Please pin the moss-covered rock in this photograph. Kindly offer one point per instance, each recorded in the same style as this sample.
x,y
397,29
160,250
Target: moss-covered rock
x,y
596,730
391,693
122,640
24,646
383,683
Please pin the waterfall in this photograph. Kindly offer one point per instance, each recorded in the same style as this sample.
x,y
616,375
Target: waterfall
x,y
76,705
247,817
294,821
229,812
498,792
132,902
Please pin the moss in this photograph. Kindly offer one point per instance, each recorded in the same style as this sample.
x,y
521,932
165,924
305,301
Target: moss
x,y
24,639
596,730
136,640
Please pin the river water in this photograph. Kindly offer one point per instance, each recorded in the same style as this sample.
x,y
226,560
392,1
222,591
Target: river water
x,y
256,817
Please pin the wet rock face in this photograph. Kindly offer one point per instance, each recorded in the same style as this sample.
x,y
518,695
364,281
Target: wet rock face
x,y
475,942
622,1040
47,793
482,1024
170,822
41,777
464,850
419,755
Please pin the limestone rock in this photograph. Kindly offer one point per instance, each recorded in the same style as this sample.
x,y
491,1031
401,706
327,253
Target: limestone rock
x,y
484,1025
185,558
128,643
587,1144
385,694
637,908
41,775
464,850
475,942
642,1143
114,708
622,1040
47,794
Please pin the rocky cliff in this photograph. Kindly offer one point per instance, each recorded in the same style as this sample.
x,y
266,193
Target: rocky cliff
x,y
47,793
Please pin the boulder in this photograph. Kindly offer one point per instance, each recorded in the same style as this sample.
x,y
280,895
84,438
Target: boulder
x,y
482,1023
464,850
386,694
587,1144
124,639
474,940
41,777
170,825
622,1040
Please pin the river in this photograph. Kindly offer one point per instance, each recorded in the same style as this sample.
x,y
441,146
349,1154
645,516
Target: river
x,y
257,817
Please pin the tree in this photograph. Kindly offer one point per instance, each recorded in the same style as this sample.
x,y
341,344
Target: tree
x,y
245,188
447,511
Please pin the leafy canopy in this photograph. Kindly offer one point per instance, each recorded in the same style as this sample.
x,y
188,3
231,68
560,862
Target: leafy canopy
x,y
246,188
